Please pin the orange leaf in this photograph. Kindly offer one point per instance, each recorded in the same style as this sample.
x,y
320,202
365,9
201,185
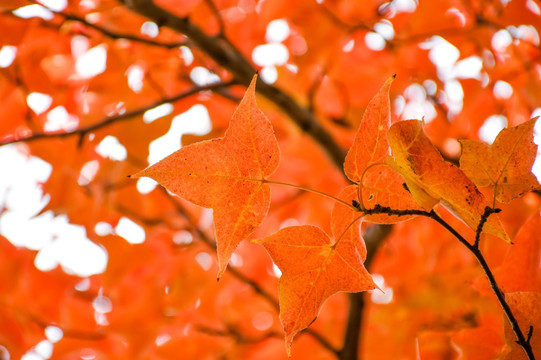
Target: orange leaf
x,y
379,184
226,174
431,179
506,164
313,268
525,307
520,268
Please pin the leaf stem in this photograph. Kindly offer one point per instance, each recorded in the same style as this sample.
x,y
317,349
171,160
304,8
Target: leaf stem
x,y
361,182
346,229
312,191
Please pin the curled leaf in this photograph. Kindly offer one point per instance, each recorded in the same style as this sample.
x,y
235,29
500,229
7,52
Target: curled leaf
x,y
431,179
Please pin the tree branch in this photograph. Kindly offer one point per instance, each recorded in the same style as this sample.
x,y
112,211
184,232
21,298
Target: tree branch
x,y
231,59
373,238
474,249
114,35
82,131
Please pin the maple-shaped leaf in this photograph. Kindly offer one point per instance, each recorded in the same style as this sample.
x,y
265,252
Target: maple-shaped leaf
x,y
370,145
525,307
226,174
506,164
314,268
380,185
431,179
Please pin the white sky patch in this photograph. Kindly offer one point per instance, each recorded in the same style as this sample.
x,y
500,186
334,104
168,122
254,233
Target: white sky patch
x,y
202,76
492,127
157,112
525,33
501,40
72,250
276,271
103,228
31,355
407,6
269,74
444,56
455,96
385,29
194,121
58,241
186,55
135,75
111,148
54,333
102,304
204,260
88,172
183,237
7,55
348,47
38,102
378,296
442,53
277,31
416,104
374,41
92,63
44,348
469,68
533,7
79,45
34,10
130,231
55,5
145,185
150,29
162,339
502,90
59,119
430,87
273,54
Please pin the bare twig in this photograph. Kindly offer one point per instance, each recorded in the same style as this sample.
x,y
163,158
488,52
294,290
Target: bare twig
x,y
82,131
113,35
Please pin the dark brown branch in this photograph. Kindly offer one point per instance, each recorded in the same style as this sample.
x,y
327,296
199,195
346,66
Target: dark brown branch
x,y
484,218
82,131
521,340
231,59
373,238
474,249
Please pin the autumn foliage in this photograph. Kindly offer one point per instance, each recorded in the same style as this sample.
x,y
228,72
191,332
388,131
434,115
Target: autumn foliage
x,y
355,214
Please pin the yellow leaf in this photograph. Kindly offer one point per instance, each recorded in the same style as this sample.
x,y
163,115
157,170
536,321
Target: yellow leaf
x,y
431,179
506,164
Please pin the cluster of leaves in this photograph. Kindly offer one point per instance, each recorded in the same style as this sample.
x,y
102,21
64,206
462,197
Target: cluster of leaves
x,y
229,175
162,298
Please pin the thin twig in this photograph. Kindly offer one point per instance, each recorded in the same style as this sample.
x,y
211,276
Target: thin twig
x,y
113,35
488,211
474,249
82,131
